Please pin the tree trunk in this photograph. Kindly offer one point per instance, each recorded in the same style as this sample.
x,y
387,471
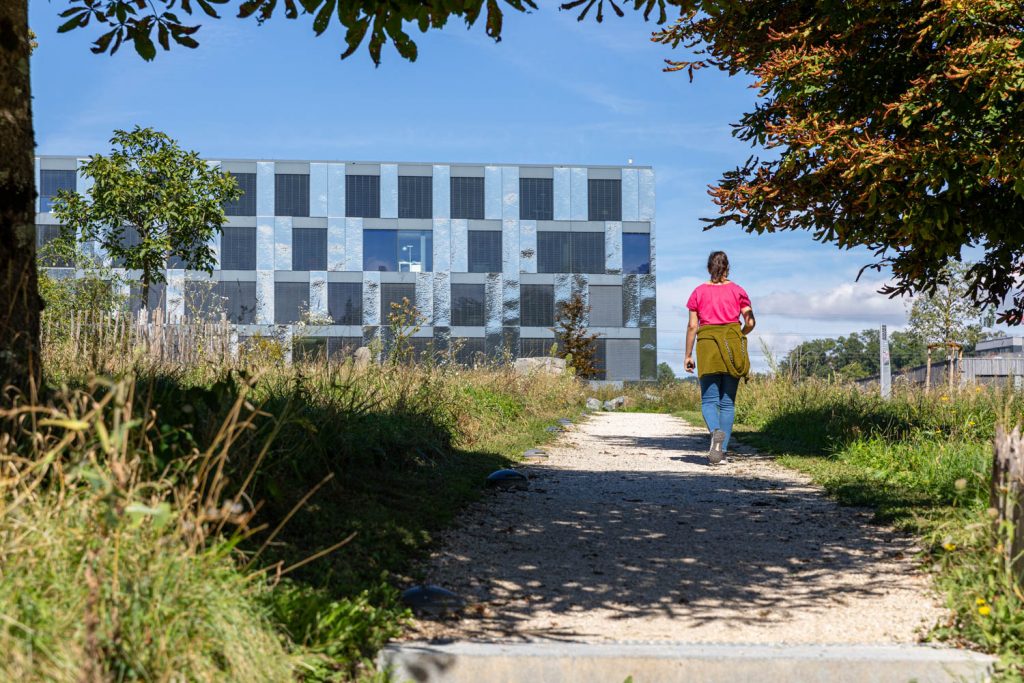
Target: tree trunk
x,y
19,293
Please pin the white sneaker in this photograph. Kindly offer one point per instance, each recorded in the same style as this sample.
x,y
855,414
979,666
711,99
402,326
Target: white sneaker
x,y
715,453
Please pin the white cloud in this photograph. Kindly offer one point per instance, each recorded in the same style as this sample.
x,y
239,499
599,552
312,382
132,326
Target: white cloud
x,y
854,302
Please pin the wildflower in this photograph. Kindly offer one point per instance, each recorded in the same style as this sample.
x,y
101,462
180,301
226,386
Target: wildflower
x,y
971,423
960,484
979,601
977,390
984,610
944,398
949,546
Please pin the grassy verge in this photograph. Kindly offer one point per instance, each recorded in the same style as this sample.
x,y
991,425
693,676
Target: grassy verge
x,y
207,524
921,462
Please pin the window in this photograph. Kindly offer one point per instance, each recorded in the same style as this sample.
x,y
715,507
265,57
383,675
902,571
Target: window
x,y
484,251
536,199
309,249
246,204
239,300
415,251
345,302
309,349
553,252
468,305
600,359
157,296
52,182
238,248
604,200
415,196
605,306
394,293
535,348
343,347
406,251
537,305
362,196
468,198
127,239
468,350
44,235
587,252
291,300
636,253
291,194
202,301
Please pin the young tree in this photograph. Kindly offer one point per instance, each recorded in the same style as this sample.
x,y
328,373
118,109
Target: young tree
x,y
947,315
666,374
892,125
150,201
576,342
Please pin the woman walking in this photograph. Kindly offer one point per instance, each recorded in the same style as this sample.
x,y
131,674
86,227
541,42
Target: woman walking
x,y
715,310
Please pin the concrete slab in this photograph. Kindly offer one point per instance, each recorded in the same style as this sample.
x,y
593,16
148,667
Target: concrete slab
x,y
546,662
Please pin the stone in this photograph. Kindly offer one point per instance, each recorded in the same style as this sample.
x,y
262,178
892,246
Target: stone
x,y
564,422
535,454
554,429
594,404
362,358
615,403
507,479
526,366
432,600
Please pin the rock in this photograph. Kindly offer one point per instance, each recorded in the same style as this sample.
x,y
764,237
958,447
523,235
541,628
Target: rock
x,y
526,366
554,429
564,422
362,358
615,403
535,454
432,600
594,404
507,479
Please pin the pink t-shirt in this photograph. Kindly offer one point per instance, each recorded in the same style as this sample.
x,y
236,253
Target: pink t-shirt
x,y
718,304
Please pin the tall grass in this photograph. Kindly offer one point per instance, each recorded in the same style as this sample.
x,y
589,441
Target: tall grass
x,y
217,523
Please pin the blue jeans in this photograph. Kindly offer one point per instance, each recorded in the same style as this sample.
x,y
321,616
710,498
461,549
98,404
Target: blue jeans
x,y
718,402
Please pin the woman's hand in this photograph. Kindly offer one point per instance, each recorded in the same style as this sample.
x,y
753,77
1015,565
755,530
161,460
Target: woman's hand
x,y
689,364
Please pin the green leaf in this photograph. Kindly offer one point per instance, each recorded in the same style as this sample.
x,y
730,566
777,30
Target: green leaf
x,y
323,17
144,44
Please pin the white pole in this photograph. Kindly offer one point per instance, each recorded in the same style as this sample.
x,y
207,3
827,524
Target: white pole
x,y
884,367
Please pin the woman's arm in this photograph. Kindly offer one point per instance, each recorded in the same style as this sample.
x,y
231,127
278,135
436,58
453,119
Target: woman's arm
x,y
691,336
748,320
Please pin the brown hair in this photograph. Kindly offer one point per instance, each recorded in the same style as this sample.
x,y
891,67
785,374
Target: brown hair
x,y
718,266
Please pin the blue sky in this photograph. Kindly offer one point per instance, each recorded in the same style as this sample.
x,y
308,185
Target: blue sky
x,y
552,91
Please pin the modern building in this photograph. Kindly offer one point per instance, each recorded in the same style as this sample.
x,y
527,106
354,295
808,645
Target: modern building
x,y
486,252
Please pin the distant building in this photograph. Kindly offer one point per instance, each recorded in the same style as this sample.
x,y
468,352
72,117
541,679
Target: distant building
x,y
485,252
1001,347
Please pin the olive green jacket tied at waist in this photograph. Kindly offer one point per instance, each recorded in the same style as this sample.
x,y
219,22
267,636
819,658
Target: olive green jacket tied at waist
x,y
722,348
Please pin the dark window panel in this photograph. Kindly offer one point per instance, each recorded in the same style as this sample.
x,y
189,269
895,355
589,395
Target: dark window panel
x,y
309,249
535,348
44,235
345,302
394,293
467,197
604,200
536,199
469,351
291,301
380,250
238,248
484,251
202,300
415,197
50,183
600,359
309,349
468,305
291,194
553,252
340,348
362,196
605,305
537,305
587,251
636,253
246,204
239,300
157,296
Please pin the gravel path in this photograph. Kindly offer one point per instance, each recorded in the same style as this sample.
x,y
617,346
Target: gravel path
x,y
627,534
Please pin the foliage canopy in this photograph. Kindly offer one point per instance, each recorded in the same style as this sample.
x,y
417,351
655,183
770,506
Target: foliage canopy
x,y
895,124
150,200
